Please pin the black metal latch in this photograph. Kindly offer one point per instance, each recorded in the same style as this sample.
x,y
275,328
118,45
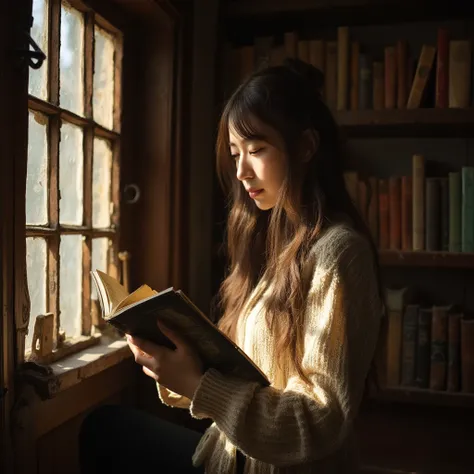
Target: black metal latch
x,y
35,56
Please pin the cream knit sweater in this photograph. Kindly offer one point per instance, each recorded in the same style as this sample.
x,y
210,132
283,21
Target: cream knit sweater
x,y
290,427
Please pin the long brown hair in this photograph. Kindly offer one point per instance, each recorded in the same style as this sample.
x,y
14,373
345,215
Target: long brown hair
x,y
277,242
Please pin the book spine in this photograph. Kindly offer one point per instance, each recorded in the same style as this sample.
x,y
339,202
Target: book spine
x,y
384,221
418,163
409,338
467,240
390,77
331,74
394,213
354,82
459,73
365,82
454,352
455,208
423,353
342,67
407,213
432,214
378,100
442,65
422,73
402,74
439,352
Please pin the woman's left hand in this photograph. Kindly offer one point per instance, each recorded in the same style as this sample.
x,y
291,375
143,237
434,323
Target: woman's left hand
x,y
178,370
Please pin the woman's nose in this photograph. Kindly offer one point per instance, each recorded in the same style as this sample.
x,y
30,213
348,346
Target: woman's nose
x,y
244,169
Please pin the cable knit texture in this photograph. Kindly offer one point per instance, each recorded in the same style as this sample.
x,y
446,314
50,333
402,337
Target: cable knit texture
x,y
291,427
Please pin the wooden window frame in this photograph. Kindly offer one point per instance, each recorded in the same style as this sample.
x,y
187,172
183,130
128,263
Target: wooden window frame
x,y
56,116
153,45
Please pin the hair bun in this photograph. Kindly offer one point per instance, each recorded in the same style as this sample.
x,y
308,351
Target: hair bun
x,y
311,74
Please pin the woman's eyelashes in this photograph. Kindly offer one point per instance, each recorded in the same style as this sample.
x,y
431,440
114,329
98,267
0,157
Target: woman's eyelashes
x,y
258,151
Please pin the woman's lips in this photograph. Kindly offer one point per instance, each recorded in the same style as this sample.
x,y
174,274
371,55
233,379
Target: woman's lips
x,y
255,192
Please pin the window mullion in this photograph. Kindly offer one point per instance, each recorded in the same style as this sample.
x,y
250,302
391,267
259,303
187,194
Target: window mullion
x,y
54,42
53,211
88,157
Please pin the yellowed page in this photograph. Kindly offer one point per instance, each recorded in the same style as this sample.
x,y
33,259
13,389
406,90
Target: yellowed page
x,y
116,293
139,294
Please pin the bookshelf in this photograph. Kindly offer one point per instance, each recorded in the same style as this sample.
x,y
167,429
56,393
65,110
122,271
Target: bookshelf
x,y
399,258
423,122
352,11
382,142
424,397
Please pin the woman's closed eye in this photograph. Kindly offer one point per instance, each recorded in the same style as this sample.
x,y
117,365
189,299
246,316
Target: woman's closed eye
x,y
257,151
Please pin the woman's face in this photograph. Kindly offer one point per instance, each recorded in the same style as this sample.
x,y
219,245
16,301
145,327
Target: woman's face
x,y
260,162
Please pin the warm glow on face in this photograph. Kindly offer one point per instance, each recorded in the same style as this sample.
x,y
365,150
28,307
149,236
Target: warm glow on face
x,y
260,164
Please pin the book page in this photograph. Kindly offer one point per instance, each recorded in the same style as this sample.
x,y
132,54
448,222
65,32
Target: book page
x,y
139,294
115,292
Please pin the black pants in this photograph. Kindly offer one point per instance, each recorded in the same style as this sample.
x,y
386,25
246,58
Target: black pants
x,y
119,439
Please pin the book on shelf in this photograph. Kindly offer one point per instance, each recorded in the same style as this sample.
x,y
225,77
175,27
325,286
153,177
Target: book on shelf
x,y
357,77
137,313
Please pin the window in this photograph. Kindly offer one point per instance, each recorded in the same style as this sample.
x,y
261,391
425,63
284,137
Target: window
x,y
72,187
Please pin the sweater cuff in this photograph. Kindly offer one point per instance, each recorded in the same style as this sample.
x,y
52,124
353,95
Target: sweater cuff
x,y
216,392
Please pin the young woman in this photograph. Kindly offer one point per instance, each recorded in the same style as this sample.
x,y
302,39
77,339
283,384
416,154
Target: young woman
x,y
302,298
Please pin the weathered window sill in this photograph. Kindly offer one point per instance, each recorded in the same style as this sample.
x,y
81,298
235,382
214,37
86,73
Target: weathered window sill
x,y
49,380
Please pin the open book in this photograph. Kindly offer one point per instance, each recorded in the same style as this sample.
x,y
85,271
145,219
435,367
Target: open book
x,y
137,314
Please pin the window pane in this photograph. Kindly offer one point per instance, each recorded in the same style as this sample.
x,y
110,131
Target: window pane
x,y
103,93
36,274
70,284
71,175
101,180
100,248
71,60
39,32
37,172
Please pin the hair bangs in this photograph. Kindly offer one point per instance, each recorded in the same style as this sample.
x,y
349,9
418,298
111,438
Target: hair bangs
x,y
242,112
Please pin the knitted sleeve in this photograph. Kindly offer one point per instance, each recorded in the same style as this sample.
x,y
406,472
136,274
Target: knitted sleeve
x,y
303,423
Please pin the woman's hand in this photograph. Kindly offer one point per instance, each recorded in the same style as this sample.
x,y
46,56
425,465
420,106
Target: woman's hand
x,y
179,370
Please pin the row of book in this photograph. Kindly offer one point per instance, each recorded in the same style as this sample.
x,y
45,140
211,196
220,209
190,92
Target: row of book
x,y
417,212
441,76
428,346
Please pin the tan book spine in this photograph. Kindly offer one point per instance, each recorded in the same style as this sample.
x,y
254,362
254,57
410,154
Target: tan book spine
x,y
459,73
423,69
342,67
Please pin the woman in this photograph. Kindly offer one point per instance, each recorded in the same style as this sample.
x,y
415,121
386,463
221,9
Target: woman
x,y
302,298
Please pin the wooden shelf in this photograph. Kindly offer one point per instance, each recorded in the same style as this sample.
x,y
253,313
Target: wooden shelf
x,y
398,258
424,397
323,12
429,122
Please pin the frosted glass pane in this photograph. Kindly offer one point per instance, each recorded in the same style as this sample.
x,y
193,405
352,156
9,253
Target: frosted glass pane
x,y
71,60
103,93
38,85
36,253
37,171
70,284
100,248
71,161
101,181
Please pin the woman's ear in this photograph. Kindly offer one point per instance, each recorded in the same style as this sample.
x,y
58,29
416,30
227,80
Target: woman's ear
x,y
310,144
